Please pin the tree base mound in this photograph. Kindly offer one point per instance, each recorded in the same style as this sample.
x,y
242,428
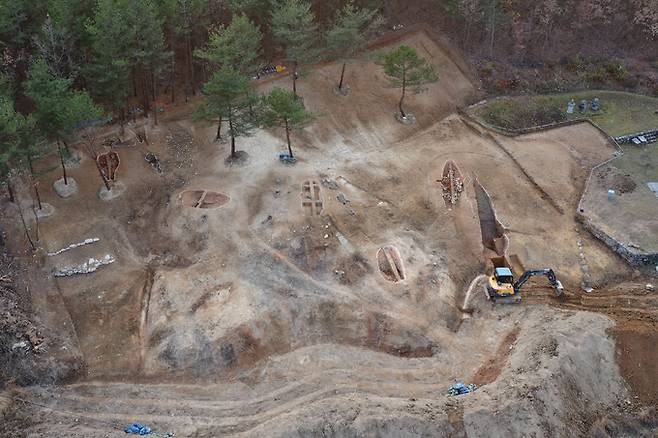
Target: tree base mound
x,y
115,191
65,190
342,91
46,210
240,159
408,119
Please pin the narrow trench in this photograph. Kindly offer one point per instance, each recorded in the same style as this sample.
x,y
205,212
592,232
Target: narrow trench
x,y
145,300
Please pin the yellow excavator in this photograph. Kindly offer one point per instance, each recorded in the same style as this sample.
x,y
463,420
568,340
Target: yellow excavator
x,y
501,287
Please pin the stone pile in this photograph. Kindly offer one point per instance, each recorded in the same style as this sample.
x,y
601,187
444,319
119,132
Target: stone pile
x,y
75,245
87,267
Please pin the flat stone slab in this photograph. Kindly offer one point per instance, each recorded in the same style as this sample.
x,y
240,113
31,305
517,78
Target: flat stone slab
x,y
115,191
65,190
46,210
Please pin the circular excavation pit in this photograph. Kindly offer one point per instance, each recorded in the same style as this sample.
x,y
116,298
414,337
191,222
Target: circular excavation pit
x,y
205,199
390,264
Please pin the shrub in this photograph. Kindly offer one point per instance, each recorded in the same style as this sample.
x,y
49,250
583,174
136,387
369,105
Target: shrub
x,y
522,113
616,70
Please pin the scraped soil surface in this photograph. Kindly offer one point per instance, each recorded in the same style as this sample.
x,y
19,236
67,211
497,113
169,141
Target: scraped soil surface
x,y
336,311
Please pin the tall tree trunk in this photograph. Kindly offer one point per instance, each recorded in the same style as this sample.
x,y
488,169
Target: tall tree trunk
x,y
219,129
342,77
145,94
493,27
29,164
36,223
173,76
153,84
288,138
61,159
230,127
155,105
122,124
134,81
294,78
10,190
36,193
128,111
404,92
27,232
190,63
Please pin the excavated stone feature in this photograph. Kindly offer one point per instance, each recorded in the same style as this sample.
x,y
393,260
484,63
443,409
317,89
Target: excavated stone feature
x,y
88,241
452,183
65,190
390,264
87,267
204,199
311,200
109,164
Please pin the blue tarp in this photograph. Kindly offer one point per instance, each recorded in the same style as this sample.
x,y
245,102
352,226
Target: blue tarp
x,y
286,158
137,429
459,388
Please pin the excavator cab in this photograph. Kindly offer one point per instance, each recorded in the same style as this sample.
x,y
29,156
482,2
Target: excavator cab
x,y
501,286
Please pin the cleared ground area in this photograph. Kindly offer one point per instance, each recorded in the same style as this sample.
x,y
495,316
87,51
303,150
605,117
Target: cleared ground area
x,y
340,296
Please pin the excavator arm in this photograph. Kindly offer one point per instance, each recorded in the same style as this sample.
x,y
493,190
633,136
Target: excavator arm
x,y
557,285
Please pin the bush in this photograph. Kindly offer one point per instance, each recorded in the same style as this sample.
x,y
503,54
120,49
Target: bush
x,y
576,63
617,70
522,113
597,76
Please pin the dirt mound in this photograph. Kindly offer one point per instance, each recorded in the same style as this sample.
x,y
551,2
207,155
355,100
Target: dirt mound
x,y
617,181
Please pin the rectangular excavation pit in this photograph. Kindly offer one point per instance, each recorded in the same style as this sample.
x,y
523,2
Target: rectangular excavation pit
x,y
312,203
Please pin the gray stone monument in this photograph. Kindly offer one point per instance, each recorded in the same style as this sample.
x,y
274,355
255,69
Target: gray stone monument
x,y
571,106
582,106
596,105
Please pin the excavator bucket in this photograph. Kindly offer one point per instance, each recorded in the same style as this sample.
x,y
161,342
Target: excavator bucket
x,y
559,289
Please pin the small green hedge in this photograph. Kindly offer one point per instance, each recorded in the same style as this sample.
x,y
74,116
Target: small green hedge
x,y
521,113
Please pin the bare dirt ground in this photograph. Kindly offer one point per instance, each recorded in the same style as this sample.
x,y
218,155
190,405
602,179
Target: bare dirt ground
x,y
268,317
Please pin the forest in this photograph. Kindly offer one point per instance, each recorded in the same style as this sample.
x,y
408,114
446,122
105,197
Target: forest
x,y
71,62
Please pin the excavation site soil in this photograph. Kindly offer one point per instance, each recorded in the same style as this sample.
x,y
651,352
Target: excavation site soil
x,y
342,295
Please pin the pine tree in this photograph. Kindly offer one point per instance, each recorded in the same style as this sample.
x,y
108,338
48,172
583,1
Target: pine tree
x,y
16,135
350,33
237,45
111,38
59,109
406,68
183,19
227,96
282,109
294,27
148,57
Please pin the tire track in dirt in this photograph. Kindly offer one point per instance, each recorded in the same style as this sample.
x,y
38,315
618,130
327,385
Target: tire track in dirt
x,y
491,369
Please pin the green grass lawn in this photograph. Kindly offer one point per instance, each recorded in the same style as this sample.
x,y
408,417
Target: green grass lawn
x,y
622,113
